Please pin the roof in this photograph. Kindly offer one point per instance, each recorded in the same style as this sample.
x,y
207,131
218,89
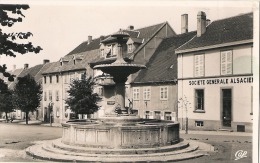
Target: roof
x,y
162,66
229,30
80,64
85,46
38,76
32,71
145,33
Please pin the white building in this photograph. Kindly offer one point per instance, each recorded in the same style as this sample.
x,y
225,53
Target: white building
x,y
215,76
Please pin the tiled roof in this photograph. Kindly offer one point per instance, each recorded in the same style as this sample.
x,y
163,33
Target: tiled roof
x,y
94,44
53,67
137,40
32,71
162,66
38,76
233,29
85,58
145,33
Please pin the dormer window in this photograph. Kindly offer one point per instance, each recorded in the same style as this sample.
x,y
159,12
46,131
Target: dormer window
x,y
112,51
130,48
61,63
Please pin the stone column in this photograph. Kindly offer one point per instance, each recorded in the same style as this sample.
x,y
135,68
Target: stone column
x,y
120,92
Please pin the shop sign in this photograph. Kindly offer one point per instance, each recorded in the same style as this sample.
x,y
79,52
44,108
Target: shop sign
x,y
238,80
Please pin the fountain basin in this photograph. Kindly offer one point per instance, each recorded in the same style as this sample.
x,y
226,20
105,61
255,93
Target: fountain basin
x,y
120,133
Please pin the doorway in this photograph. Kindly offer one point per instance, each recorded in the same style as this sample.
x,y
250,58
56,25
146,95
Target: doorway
x,y
226,107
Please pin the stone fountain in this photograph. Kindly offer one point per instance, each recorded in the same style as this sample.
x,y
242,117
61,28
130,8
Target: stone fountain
x,y
119,136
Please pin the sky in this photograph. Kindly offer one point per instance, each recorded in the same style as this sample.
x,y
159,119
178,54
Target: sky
x,y
60,26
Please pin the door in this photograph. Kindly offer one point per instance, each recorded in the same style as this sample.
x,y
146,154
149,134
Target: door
x,y
226,107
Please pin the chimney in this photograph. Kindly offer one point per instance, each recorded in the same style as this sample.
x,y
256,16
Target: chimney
x,y
26,65
102,38
208,22
201,23
130,27
184,23
46,61
14,68
89,39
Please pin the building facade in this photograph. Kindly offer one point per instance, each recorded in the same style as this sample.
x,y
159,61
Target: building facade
x,y
154,90
215,76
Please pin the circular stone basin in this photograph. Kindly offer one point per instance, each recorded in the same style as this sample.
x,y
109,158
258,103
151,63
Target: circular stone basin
x,y
118,69
120,132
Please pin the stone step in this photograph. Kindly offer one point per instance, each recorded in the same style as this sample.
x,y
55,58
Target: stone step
x,y
58,144
37,151
49,148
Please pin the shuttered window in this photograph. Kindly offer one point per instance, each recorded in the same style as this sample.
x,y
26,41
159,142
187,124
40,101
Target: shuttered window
x,y
199,65
226,62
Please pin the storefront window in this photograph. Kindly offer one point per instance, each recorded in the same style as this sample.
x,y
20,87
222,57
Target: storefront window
x,y
147,114
167,116
157,115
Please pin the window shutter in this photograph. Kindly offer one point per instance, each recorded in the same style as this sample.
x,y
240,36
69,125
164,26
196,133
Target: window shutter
x,y
199,65
226,62
229,62
196,65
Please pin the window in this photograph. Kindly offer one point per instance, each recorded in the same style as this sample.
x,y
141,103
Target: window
x,y
130,48
45,79
57,111
136,93
163,93
168,116
199,65
57,78
199,123
114,50
45,96
147,93
50,79
147,114
50,95
226,62
57,95
199,99
157,115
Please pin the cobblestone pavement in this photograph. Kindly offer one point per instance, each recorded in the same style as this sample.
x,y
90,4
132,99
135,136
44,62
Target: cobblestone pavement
x,y
14,138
